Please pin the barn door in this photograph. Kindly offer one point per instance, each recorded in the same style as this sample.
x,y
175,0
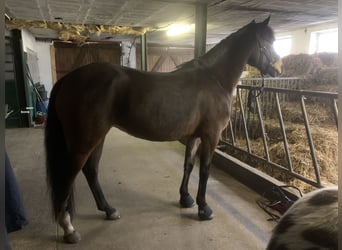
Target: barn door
x,y
165,59
66,57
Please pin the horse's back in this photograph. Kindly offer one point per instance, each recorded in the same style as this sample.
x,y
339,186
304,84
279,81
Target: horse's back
x,y
171,106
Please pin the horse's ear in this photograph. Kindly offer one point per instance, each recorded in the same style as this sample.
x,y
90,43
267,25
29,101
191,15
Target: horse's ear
x,y
267,20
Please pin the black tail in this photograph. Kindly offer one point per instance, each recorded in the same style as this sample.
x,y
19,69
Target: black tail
x,y
59,177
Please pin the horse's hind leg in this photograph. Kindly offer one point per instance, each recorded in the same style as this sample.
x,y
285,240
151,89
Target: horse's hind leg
x,y
190,154
64,216
90,170
70,234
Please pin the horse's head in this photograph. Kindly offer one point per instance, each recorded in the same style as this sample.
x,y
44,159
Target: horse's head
x,y
263,56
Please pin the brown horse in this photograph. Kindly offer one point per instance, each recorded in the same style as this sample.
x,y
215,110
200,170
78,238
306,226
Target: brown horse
x,y
192,104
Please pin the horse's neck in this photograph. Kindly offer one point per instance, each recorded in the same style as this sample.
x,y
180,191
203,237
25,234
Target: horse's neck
x,y
227,62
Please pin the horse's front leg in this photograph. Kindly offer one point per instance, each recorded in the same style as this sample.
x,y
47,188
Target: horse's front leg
x,y
190,154
207,152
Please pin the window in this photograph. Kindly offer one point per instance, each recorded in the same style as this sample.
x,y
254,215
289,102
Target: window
x,y
324,41
282,45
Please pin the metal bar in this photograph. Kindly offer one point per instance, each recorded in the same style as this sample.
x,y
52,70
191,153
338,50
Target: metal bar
x,y
200,29
244,122
249,110
252,79
310,141
237,125
263,132
299,94
232,132
275,165
294,92
335,111
252,178
283,131
143,52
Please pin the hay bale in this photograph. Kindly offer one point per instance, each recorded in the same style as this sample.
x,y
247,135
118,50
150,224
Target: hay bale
x,y
252,72
301,65
326,76
318,110
319,71
328,59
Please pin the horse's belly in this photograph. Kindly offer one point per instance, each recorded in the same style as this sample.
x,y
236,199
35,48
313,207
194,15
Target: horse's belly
x,y
147,134
166,129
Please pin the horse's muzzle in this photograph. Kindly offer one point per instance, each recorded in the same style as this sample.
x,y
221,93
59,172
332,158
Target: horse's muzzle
x,y
277,67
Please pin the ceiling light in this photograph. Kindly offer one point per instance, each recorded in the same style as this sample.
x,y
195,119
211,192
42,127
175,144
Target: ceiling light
x,y
177,29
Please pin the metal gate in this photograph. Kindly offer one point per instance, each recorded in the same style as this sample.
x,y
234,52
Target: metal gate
x,y
263,122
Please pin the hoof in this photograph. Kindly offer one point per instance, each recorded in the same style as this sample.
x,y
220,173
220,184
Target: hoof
x,y
113,215
205,213
187,201
72,238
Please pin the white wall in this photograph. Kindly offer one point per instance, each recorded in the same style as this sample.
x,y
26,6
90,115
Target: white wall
x,y
129,54
301,37
44,64
29,42
42,49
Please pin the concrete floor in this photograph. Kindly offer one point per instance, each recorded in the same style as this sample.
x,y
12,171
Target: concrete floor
x,y
141,179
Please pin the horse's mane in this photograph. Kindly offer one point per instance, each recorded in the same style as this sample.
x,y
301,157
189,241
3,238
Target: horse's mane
x,y
216,50
222,46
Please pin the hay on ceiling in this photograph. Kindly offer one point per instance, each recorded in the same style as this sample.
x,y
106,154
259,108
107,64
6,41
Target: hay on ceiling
x,y
74,32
